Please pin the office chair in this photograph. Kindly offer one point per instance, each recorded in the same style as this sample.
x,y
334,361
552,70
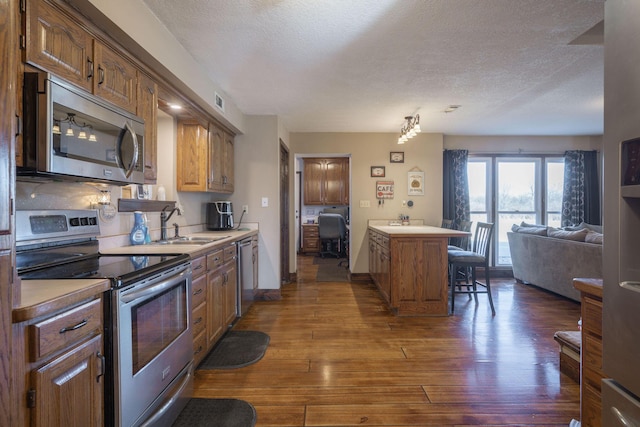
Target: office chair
x,y
332,231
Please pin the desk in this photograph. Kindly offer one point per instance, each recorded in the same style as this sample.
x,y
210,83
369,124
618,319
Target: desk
x,y
409,265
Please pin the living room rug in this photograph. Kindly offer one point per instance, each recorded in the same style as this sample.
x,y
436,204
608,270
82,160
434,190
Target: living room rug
x,y
216,412
236,350
331,271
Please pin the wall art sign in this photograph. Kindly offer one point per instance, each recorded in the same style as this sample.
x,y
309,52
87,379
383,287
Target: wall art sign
x,y
416,183
384,189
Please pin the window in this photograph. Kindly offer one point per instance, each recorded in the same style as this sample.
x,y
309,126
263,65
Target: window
x,y
510,190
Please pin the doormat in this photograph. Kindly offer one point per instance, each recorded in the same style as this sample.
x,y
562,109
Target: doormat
x,y
236,350
216,412
332,272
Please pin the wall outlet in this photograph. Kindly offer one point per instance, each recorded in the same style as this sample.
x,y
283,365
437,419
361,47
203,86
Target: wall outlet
x,y
245,209
365,204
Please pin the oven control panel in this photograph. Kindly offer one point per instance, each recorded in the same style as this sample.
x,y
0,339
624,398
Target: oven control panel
x,y
49,224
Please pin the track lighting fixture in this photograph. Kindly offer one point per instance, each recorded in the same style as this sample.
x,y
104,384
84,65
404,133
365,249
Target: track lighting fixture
x,y
410,128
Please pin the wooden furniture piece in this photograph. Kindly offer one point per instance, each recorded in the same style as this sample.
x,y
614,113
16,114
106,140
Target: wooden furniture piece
x,y
58,353
569,354
204,158
310,238
410,267
461,261
591,373
326,181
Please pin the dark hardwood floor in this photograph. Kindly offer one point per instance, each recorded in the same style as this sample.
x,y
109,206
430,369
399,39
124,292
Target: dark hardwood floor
x,y
338,357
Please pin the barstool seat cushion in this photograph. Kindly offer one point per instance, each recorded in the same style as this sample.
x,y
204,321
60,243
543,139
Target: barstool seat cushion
x,y
465,257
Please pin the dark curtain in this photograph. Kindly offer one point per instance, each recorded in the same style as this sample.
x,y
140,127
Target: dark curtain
x,y
455,186
581,188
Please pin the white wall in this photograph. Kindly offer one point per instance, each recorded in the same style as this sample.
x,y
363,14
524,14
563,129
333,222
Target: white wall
x,y
522,144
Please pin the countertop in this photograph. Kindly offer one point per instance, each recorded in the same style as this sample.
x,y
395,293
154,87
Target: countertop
x,y
417,231
193,250
42,297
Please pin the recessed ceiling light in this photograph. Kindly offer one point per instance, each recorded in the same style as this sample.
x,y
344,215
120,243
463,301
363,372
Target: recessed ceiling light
x,y
175,106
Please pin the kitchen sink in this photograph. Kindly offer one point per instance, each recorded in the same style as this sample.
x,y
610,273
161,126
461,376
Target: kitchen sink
x,y
189,240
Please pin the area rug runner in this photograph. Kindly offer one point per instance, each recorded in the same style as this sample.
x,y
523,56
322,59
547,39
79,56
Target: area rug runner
x,y
217,412
332,272
236,350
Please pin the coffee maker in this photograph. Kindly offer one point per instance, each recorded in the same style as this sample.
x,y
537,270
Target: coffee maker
x,y
219,216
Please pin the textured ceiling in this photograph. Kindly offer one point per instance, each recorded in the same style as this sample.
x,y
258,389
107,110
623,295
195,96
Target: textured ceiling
x,y
516,67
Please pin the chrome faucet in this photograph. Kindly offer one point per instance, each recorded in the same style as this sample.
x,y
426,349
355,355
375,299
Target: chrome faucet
x,y
164,217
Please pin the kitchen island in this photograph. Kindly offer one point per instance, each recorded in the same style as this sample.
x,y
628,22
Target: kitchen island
x,y
409,266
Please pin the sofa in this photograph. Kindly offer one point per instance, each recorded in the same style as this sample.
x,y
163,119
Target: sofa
x,y
551,258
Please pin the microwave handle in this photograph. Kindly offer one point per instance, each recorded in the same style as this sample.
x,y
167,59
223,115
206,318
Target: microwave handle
x,y
128,128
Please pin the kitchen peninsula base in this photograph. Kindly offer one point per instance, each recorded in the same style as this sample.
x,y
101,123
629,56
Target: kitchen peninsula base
x,y
409,266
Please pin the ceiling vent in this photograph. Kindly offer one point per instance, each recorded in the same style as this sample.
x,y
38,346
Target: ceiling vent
x,y
219,102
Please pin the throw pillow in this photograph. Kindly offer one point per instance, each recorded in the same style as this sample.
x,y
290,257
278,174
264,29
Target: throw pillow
x,y
583,225
578,235
538,231
593,237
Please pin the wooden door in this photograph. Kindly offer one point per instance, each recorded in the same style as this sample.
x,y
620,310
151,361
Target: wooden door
x,y
60,383
115,77
148,110
57,44
192,166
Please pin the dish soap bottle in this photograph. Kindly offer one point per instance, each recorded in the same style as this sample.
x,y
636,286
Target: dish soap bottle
x,y
138,231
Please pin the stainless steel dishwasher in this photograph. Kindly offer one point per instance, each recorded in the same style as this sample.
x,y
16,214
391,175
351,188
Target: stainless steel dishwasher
x,y
245,278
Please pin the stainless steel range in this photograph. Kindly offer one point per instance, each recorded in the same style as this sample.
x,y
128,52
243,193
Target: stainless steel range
x,y
148,339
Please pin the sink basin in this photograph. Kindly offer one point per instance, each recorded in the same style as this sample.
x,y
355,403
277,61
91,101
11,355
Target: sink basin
x,y
189,240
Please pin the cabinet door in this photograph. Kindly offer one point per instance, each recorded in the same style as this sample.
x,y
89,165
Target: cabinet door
x,y
230,293
313,181
192,167
115,77
56,43
148,110
228,166
59,384
334,182
214,306
216,158
254,258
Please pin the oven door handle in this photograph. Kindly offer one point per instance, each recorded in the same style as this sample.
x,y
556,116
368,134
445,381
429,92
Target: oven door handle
x,y
153,290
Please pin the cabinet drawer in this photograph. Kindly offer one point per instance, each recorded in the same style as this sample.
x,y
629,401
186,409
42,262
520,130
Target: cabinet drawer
x,y
199,347
198,291
198,319
592,316
591,406
230,253
592,352
62,330
215,259
199,266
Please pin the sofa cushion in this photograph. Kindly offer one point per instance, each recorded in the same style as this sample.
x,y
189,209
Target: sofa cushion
x,y
526,224
593,237
578,235
583,225
539,231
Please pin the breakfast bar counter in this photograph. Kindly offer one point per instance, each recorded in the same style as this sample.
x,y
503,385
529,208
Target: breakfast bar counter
x,y
410,268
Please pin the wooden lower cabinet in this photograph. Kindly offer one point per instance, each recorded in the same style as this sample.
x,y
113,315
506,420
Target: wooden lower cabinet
x,y
199,308
591,374
63,365
310,238
410,272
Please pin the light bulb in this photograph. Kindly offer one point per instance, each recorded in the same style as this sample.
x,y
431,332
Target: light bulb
x,y
69,132
416,128
92,137
82,135
56,129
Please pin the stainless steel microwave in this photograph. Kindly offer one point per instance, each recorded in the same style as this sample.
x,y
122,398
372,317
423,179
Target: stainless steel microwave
x,y
71,134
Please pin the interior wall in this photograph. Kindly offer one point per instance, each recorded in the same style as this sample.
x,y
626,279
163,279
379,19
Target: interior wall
x,y
372,149
522,144
257,177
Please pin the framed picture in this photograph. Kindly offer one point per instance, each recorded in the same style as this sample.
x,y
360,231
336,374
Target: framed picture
x,y
396,157
377,171
416,183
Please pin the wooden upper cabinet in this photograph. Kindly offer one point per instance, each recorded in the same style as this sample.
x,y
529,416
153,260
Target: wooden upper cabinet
x,y
148,110
221,158
326,181
228,166
57,43
114,77
192,165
